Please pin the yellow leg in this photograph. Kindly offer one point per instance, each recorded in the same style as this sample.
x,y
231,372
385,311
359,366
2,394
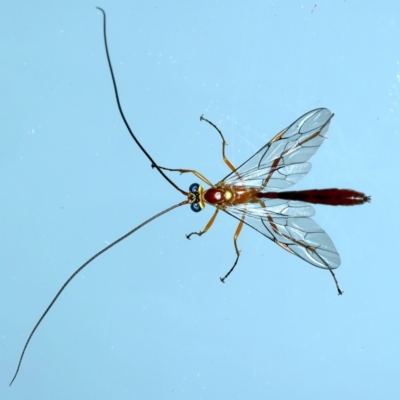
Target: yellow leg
x,y
208,226
235,237
227,162
185,171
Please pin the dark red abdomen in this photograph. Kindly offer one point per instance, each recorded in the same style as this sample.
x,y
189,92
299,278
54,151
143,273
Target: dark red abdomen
x,y
332,197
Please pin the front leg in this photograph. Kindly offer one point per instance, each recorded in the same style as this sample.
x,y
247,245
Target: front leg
x,y
208,226
185,171
235,237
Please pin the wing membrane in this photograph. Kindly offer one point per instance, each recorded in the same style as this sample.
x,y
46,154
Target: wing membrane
x,y
279,164
282,162
287,223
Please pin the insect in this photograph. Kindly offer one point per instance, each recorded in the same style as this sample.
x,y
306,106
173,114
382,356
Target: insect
x,y
251,194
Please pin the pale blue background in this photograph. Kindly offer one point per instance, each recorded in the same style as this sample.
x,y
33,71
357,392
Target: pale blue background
x,y
150,318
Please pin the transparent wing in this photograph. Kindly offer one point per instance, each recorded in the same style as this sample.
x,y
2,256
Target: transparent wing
x,y
287,223
282,162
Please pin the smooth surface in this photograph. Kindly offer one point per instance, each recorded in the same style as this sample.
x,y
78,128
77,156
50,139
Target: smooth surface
x,y
150,318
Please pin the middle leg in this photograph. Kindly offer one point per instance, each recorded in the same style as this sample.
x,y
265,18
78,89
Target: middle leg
x,y
235,237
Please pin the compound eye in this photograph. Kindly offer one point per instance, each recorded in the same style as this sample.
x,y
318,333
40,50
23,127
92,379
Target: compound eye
x,y
195,207
194,187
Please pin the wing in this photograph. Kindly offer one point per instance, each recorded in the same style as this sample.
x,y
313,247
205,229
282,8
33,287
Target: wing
x,y
282,162
287,223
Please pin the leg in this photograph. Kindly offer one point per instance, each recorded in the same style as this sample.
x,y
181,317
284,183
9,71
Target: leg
x,y
208,226
227,162
236,235
185,171
336,282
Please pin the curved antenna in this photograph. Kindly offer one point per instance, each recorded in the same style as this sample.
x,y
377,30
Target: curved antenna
x,y
80,269
153,163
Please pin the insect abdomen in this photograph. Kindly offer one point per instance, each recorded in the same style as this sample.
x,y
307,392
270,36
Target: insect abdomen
x,y
332,197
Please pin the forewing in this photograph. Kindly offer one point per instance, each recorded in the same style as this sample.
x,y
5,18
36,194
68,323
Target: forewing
x,y
287,223
282,162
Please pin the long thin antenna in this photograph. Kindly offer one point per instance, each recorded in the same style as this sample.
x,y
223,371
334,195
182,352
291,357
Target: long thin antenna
x,y
80,269
153,163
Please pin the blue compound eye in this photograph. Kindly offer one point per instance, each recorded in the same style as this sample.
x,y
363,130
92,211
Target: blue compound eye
x,y
195,206
194,187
